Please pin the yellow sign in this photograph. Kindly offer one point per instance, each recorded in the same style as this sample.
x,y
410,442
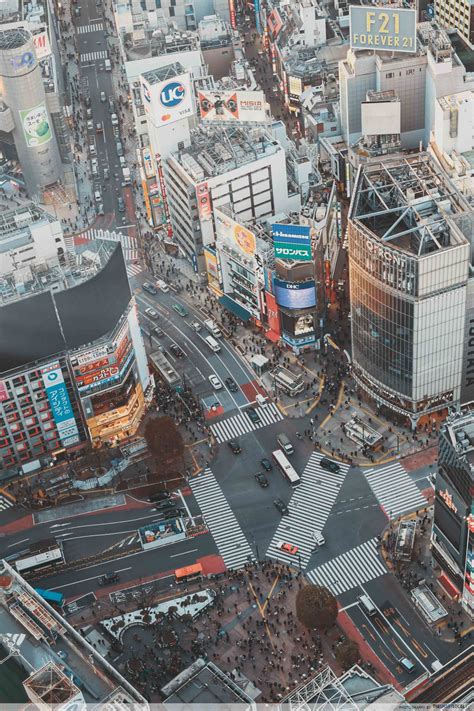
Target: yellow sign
x,y
448,500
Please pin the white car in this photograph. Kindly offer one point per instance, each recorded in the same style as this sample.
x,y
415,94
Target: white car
x,y
215,382
94,166
151,313
90,125
114,120
196,326
98,196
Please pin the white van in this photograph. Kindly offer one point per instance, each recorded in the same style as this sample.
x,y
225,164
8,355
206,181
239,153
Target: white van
x,y
319,538
108,65
407,664
285,443
213,328
213,344
261,400
162,285
367,604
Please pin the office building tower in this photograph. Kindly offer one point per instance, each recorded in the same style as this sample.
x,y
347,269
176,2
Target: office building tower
x,y
457,15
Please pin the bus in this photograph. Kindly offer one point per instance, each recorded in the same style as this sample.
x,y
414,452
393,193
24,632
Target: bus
x,y
42,554
190,572
55,598
285,467
287,381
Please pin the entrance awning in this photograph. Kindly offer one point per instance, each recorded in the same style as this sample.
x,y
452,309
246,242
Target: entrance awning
x,y
449,586
235,308
272,336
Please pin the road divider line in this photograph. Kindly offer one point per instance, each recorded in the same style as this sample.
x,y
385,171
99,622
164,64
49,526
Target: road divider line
x,y
86,580
192,550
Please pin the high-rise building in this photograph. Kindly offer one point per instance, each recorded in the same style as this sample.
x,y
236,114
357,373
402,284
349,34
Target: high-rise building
x,y
457,15
24,111
409,260
73,367
452,538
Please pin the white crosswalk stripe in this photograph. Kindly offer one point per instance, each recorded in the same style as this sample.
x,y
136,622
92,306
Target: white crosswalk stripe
x,y
129,244
5,503
131,255
220,520
133,270
354,567
69,242
93,27
309,507
397,494
93,56
241,424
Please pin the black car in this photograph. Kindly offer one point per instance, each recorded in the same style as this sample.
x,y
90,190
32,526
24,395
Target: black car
x,y
235,446
261,479
157,331
171,513
120,204
159,496
164,505
149,288
253,414
281,506
108,578
231,385
177,351
329,465
266,464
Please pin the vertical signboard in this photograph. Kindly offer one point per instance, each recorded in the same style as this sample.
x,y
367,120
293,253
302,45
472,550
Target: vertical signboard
x,y
203,201
233,20
382,28
258,22
161,178
292,242
60,404
35,123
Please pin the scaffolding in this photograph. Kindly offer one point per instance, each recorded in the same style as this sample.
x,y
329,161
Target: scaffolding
x,y
324,692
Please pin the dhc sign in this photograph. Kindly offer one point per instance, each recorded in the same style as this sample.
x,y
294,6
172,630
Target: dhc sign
x,y
172,94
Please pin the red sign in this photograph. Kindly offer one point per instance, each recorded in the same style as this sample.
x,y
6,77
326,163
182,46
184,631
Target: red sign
x,y
95,365
203,201
3,391
109,372
233,22
122,349
273,315
274,23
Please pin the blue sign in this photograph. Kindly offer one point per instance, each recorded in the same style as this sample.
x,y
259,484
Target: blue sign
x,y
195,262
294,295
172,94
292,242
258,23
27,59
60,404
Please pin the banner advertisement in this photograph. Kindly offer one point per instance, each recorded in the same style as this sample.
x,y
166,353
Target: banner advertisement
x,y
295,295
292,242
232,106
60,404
382,28
35,123
273,316
258,22
167,101
3,391
148,163
233,21
203,201
234,234
42,45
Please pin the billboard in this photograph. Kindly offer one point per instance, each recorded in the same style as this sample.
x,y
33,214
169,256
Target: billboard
x,y
3,391
42,46
35,123
380,118
234,235
274,23
292,242
382,28
60,404
203,200
167,101
294,295
232,105
273,315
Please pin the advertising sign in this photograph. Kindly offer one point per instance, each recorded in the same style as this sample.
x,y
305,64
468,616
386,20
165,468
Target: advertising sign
x,y
274,23
60,404
148,163
294,295
3,391
24,60
232,105
233,21
233,234
167,101
273,315
292,242
382,28
203,201
36,126
42,46
258,22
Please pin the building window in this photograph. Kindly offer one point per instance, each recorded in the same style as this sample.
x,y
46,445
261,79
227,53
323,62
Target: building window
x,y
389,75
171,9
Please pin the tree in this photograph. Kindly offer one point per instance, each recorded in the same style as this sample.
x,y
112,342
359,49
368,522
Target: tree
x,y
316,607
164,440
347,653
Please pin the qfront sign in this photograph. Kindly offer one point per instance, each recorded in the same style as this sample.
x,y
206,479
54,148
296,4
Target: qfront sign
x,y
292,242
382,28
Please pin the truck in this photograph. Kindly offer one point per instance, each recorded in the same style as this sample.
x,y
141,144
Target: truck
x,y
127,178
213,328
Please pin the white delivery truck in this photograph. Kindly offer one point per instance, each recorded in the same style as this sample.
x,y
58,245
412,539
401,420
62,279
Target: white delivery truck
x,y
127,178
213,328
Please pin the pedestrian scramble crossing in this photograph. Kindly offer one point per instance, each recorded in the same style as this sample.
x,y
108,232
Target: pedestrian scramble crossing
x,y
93,56
129,244
220,520
242,424
396,493
354,567
309,509
5,502
93,27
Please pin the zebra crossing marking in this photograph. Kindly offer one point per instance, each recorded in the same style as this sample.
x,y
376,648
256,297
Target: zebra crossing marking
x,y
242,424
354,567
309,507
221,521
95,27
396,493
129,244
93,56
133,270
5,502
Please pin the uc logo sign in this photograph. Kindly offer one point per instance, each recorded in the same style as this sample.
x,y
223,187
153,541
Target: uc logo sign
x,y
172,94
27,59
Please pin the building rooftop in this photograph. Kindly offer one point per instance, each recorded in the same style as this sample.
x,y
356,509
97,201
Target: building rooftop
x,y
408,203
155,76
15,225
56,311
59,664
452,684
216,150
459,430
203,683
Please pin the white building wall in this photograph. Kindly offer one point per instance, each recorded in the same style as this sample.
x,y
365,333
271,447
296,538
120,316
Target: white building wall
x,y
139,348
463,138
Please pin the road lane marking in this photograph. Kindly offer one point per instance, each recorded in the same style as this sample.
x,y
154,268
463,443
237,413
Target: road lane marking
x,y
24,540
192,550
86,580
186,506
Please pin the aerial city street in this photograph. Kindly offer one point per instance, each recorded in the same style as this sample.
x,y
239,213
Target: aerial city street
x,y
237,353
